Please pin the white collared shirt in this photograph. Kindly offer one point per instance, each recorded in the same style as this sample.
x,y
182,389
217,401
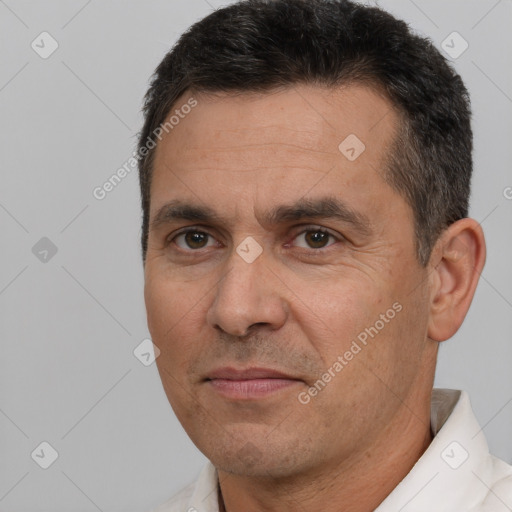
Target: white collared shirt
x,y
455,474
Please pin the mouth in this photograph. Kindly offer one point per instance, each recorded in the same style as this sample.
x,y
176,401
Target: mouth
x,y
250,383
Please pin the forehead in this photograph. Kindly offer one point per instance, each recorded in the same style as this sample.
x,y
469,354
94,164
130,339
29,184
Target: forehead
x,y
274,145
308,118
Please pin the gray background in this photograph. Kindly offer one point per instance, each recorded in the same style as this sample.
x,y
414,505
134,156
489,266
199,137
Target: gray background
x,y
69,326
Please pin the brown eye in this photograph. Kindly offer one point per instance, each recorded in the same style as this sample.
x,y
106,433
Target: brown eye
x,y
193,239
315,238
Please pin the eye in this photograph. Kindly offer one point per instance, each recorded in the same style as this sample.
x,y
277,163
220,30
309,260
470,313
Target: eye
x,y
192,239
315,238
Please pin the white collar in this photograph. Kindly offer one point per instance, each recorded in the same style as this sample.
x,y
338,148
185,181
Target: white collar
x,y
447,476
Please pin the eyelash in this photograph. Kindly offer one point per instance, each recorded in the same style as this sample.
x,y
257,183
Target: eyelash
x,y
307,229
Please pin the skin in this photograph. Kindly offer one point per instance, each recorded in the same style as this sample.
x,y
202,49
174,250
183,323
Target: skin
x,y
301,303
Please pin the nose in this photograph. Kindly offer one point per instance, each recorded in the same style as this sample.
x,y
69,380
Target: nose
x,y
247,294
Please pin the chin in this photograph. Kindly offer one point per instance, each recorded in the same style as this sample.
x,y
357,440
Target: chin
x,y
248,467
259,457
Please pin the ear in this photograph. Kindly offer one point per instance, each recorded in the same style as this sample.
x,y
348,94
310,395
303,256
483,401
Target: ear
x,y
456,263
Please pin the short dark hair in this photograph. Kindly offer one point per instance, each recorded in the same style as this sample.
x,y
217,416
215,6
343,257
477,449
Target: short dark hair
x,y
261,45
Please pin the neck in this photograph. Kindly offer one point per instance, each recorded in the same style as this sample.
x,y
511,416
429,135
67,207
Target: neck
x,y
359,483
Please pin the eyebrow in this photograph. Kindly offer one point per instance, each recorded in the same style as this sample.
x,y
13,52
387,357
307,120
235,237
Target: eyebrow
x,y
319,208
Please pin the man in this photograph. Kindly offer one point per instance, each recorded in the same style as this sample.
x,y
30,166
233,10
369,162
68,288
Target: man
x,y
305,180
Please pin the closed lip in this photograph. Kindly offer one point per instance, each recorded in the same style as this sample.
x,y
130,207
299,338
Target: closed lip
x,y
230,373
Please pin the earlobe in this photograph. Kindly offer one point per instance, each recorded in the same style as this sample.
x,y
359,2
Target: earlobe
x,y
458,259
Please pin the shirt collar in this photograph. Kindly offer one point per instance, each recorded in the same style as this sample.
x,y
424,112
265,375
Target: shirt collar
x,y
449,475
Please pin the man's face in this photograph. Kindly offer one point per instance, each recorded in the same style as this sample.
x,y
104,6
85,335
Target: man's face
x,y
292,299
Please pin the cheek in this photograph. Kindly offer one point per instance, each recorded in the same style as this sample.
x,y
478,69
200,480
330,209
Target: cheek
x,y
171,316
336,311
158,305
